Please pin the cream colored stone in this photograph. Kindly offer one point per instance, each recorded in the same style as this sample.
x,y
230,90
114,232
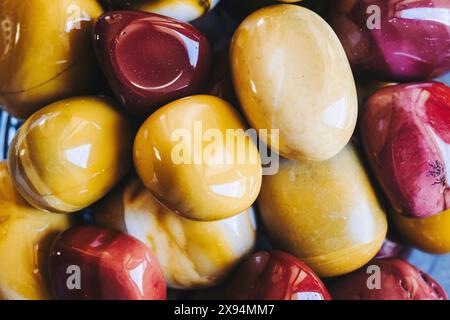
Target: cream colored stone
x,y
192,254
69,154
198,178
291,73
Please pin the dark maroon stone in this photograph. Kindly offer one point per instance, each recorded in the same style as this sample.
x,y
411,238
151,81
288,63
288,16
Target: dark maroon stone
x,y
406,135
275,275
395,40
150,59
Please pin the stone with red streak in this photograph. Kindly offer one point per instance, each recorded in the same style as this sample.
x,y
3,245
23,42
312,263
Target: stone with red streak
x,y
111,266
406,135
275,275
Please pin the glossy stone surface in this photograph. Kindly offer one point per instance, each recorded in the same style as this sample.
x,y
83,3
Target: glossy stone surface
x,y
184,10
428,234
25,237
111,266
47,55
150,59
71,153
324,213
406,135
185,157
192,254
309,95
399,281
275,275
394,40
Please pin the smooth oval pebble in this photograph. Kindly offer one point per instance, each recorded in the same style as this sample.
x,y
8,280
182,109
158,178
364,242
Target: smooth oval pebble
x,y
25,238
149,59
290,73
46,56
192,254
395,40
71,153
184,10
194,155
428,234
394,246
406,135
324,213
275,275
93,263
397,280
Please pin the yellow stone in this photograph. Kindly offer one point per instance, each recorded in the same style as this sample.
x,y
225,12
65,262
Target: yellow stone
x,y
291,73
194,156
25,237
71,153
184,10
325,213
192,254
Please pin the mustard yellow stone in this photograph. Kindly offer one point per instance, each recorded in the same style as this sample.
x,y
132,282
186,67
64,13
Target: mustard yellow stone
x,y
192,254
184,10
45,52
71,153
430,234
325,213
291,74
195,157
25,237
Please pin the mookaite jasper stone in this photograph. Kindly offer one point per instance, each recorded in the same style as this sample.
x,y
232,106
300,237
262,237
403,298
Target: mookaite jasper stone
x,y
290,73
195,157
192,254
93,263
398,280
150,59
25,238
394,40
71,153
428,234
406,135
185,10
324,213
275,275
45,52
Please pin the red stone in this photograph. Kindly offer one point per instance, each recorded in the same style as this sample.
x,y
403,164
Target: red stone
x,y
111,265
149,59
275,275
